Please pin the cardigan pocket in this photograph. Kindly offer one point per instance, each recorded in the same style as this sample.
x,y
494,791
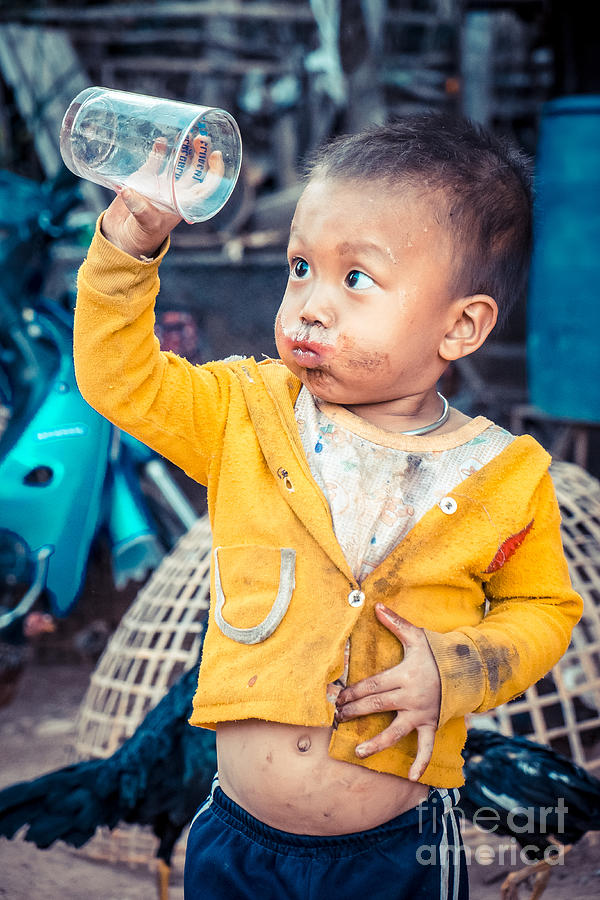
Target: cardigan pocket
x,y
246,577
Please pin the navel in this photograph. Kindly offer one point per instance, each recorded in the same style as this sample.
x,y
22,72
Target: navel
x,y
303,743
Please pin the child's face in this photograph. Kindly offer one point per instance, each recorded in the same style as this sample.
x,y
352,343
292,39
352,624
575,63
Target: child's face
x,y
367,304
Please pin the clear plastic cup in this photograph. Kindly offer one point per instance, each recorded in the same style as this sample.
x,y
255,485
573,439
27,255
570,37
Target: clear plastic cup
x,y
184,158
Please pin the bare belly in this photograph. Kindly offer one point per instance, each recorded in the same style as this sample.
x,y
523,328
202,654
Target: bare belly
x,y
283,775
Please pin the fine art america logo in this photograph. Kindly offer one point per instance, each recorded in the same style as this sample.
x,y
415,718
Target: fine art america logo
x,y
522,823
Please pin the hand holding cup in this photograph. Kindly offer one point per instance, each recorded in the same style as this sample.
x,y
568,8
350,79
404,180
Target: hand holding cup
x,y
139,227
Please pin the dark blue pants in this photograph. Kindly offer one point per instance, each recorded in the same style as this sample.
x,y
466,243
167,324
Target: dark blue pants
x,y
233,856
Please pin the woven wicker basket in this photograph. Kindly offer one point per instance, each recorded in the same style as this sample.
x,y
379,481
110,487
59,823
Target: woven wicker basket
x,y
563,708
158,639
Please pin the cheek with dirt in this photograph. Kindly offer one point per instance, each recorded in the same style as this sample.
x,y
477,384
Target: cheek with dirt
x,y
352,356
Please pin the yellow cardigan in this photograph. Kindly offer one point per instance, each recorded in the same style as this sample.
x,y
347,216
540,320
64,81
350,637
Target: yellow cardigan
x,y
283,597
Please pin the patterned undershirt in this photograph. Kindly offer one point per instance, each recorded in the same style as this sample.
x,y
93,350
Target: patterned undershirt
x,y
379,483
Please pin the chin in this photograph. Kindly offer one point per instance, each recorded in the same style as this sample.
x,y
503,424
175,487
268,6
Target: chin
x,y
324,388
316,380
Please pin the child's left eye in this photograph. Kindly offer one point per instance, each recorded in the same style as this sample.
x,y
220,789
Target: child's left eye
x,y
358,280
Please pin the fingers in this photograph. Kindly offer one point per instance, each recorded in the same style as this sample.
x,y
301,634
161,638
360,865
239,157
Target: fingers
x,y
139,206
388,680
156,158
214,175
407,633
412,639
411,689
333,690
134,225
425,741
400,727
136,203
216,166
148,216
369,702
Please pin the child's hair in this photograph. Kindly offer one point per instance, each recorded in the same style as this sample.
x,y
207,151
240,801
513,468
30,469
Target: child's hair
x,y
485,183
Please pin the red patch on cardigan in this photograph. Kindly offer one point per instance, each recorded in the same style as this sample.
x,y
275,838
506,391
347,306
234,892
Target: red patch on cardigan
x,y
506,550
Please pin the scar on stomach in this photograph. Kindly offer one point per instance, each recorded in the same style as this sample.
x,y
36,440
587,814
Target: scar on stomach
x,y
303,743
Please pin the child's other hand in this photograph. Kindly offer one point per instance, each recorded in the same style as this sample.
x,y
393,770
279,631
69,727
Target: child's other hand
x,y
412,688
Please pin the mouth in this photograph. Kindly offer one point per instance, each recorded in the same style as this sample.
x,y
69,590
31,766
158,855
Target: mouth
x,y
297,340
308,355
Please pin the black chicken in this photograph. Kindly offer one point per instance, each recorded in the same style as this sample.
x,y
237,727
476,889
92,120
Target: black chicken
x,y
158,777
538,797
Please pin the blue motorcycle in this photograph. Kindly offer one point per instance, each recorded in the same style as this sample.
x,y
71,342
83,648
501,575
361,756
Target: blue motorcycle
x,y
66,473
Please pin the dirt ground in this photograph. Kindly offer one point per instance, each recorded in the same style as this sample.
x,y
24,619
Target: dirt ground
x,y
36,735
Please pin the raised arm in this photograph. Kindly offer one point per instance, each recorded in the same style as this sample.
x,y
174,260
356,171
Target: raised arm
x,y
175,407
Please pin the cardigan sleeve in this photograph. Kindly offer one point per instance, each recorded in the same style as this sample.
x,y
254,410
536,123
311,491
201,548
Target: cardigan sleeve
x,y
176,408
532,609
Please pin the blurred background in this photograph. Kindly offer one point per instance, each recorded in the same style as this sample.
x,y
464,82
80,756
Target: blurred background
x,y
104,548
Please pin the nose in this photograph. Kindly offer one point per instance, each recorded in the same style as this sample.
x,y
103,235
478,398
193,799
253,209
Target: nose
x,y
317,309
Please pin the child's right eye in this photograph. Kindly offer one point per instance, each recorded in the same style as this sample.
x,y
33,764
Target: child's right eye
x,y
299,268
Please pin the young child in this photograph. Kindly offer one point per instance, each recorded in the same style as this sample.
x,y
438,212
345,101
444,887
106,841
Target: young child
x,y
383,565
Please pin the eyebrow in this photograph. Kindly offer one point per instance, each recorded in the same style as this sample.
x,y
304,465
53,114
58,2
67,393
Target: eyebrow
x,y
347,247
369,247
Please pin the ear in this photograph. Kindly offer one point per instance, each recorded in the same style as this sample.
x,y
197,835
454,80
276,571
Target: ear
x,y
472,319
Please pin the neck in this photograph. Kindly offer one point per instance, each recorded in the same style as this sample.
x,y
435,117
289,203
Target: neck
x,y
407,415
